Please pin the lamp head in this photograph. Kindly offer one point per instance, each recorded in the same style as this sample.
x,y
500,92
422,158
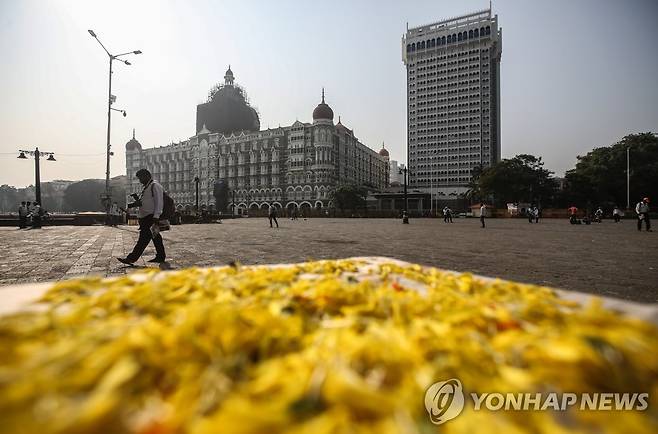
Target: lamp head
x,y
22,156
127,63
91,32
51,158
137,52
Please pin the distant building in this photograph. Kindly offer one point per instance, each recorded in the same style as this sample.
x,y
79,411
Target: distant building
x,y
292,166
396,178
453,100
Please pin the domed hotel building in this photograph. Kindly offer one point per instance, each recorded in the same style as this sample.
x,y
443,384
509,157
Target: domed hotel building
x,y
287,167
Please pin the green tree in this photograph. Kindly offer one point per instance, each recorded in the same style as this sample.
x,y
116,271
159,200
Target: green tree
x,y
474,192
9,198
84,195
600,176
522,178
349,197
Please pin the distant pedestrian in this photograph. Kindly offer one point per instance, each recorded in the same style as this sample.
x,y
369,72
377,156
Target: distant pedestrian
x,y
150,203
115,214
536,212
531,213
642,211
573,215
598,215
272,216
447,215
22,216
483,210
616,214
36,216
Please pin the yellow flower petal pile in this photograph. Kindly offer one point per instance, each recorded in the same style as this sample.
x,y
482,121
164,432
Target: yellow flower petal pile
x,y
319,347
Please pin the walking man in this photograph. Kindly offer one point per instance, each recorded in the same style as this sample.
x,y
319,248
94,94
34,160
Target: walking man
x,y
272,215
616,214
642,211
447,214
150,204
483,209
22,216
573,214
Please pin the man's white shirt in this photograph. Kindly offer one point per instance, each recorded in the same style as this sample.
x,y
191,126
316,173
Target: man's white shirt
x,y
152,200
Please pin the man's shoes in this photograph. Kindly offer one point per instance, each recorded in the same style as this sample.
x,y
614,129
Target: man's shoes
x,y
125,261
158,260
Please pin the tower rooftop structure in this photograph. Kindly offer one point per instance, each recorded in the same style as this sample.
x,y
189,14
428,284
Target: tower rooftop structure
x,y
227,109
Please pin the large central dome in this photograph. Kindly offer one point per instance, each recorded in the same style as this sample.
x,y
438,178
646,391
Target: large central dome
x,y
227,109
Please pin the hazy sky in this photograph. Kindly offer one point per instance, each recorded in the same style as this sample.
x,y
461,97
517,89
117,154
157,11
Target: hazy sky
x,y
575,74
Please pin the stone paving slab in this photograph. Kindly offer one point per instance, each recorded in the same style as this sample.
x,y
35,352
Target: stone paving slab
x,y
609,259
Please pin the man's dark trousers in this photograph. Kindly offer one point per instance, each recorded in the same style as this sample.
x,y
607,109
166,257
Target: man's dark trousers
x,y
145,236
646,221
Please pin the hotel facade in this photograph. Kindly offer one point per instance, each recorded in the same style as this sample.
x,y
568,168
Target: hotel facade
x,y
453,101
295,166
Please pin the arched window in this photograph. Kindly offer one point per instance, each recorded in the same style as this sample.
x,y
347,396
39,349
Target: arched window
x,y
464,35
443,40
476,33
470,34
488,30
427,44
433,43
413,46
422,45
459,37
481,31
408,48
449,39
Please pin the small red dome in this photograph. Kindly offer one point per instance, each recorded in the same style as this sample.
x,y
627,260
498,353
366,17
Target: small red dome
x,y
383,152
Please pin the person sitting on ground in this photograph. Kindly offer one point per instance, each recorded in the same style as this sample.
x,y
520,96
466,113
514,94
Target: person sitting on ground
x,y
598,215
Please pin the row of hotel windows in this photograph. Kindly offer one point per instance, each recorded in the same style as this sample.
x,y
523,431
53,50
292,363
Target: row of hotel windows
x,y
443,148
446,111
434,140
450,39
423,92
452,77
432,123
449,74
461,57
434,59
450,66
449,69
470,96
444,179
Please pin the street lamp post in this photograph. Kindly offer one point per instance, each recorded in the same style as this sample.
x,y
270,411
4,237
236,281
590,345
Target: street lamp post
x,y
405,172
37,171
110,99
196,182
628,177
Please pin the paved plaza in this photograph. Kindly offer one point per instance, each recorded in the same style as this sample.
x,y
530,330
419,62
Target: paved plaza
x,y
607,259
